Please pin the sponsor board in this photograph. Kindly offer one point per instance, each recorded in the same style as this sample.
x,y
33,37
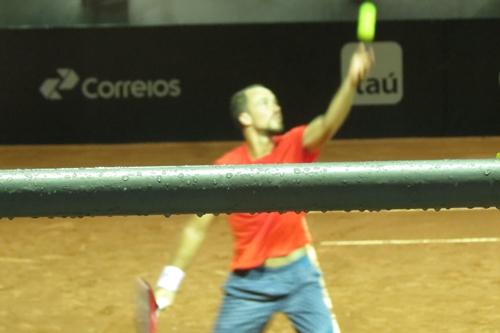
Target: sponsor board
x,y
384,84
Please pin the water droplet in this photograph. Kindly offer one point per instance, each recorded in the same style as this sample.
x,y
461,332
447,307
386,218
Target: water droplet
x,y
158,179
229,175
487,172
125,178
296,170
124,189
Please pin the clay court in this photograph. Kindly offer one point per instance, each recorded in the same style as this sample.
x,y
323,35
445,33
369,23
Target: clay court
x,y
77,275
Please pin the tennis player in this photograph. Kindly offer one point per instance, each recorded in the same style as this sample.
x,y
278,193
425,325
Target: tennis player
x,y
274,267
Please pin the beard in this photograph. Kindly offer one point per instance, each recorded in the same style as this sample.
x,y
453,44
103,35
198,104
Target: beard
x,y
273,130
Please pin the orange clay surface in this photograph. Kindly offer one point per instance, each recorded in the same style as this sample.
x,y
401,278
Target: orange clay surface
x,y
77,275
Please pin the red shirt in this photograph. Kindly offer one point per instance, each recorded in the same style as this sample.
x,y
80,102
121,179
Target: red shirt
x,y
264,235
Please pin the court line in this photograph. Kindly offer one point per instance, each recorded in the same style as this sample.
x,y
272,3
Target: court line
x,y
411,241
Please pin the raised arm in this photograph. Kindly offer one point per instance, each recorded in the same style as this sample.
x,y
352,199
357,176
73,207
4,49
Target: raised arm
x,y
192,237
323,127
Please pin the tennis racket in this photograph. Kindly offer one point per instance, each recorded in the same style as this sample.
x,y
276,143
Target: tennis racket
x,y
146,309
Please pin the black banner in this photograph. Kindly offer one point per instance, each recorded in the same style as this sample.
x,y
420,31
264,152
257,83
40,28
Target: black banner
x,y
173,83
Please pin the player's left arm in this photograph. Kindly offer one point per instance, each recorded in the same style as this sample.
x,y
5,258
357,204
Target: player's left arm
x,y
324,126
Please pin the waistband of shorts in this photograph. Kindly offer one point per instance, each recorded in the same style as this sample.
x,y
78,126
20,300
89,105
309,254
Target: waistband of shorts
x,y
276,262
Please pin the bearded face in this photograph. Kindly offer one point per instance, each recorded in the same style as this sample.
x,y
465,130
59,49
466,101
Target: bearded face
x,y
264,110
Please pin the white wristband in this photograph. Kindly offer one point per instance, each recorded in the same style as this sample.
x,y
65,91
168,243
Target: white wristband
x,y
170,278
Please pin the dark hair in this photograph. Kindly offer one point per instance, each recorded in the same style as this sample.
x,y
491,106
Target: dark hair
x,y
238,102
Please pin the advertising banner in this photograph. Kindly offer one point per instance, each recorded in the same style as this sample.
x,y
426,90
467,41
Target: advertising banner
x,y
173,83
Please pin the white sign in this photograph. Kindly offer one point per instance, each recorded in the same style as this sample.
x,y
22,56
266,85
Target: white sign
x,y
384,84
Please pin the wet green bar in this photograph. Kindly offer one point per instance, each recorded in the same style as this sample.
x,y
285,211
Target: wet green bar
x,y
170,190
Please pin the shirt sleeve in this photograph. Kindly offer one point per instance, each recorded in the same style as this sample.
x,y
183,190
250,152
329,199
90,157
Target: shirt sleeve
x,y
294,136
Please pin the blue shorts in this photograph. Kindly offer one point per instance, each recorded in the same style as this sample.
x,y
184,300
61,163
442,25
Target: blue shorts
x,y
253,296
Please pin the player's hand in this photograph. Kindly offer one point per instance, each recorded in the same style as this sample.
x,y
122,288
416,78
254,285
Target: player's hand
x,y
164,298
167,285
361,62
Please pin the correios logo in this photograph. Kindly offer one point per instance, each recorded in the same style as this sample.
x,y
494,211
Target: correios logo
x,y
94,88
384,84
51,87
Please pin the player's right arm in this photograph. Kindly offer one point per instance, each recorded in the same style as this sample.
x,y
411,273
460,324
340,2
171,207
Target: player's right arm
x,y
191,238
325,126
